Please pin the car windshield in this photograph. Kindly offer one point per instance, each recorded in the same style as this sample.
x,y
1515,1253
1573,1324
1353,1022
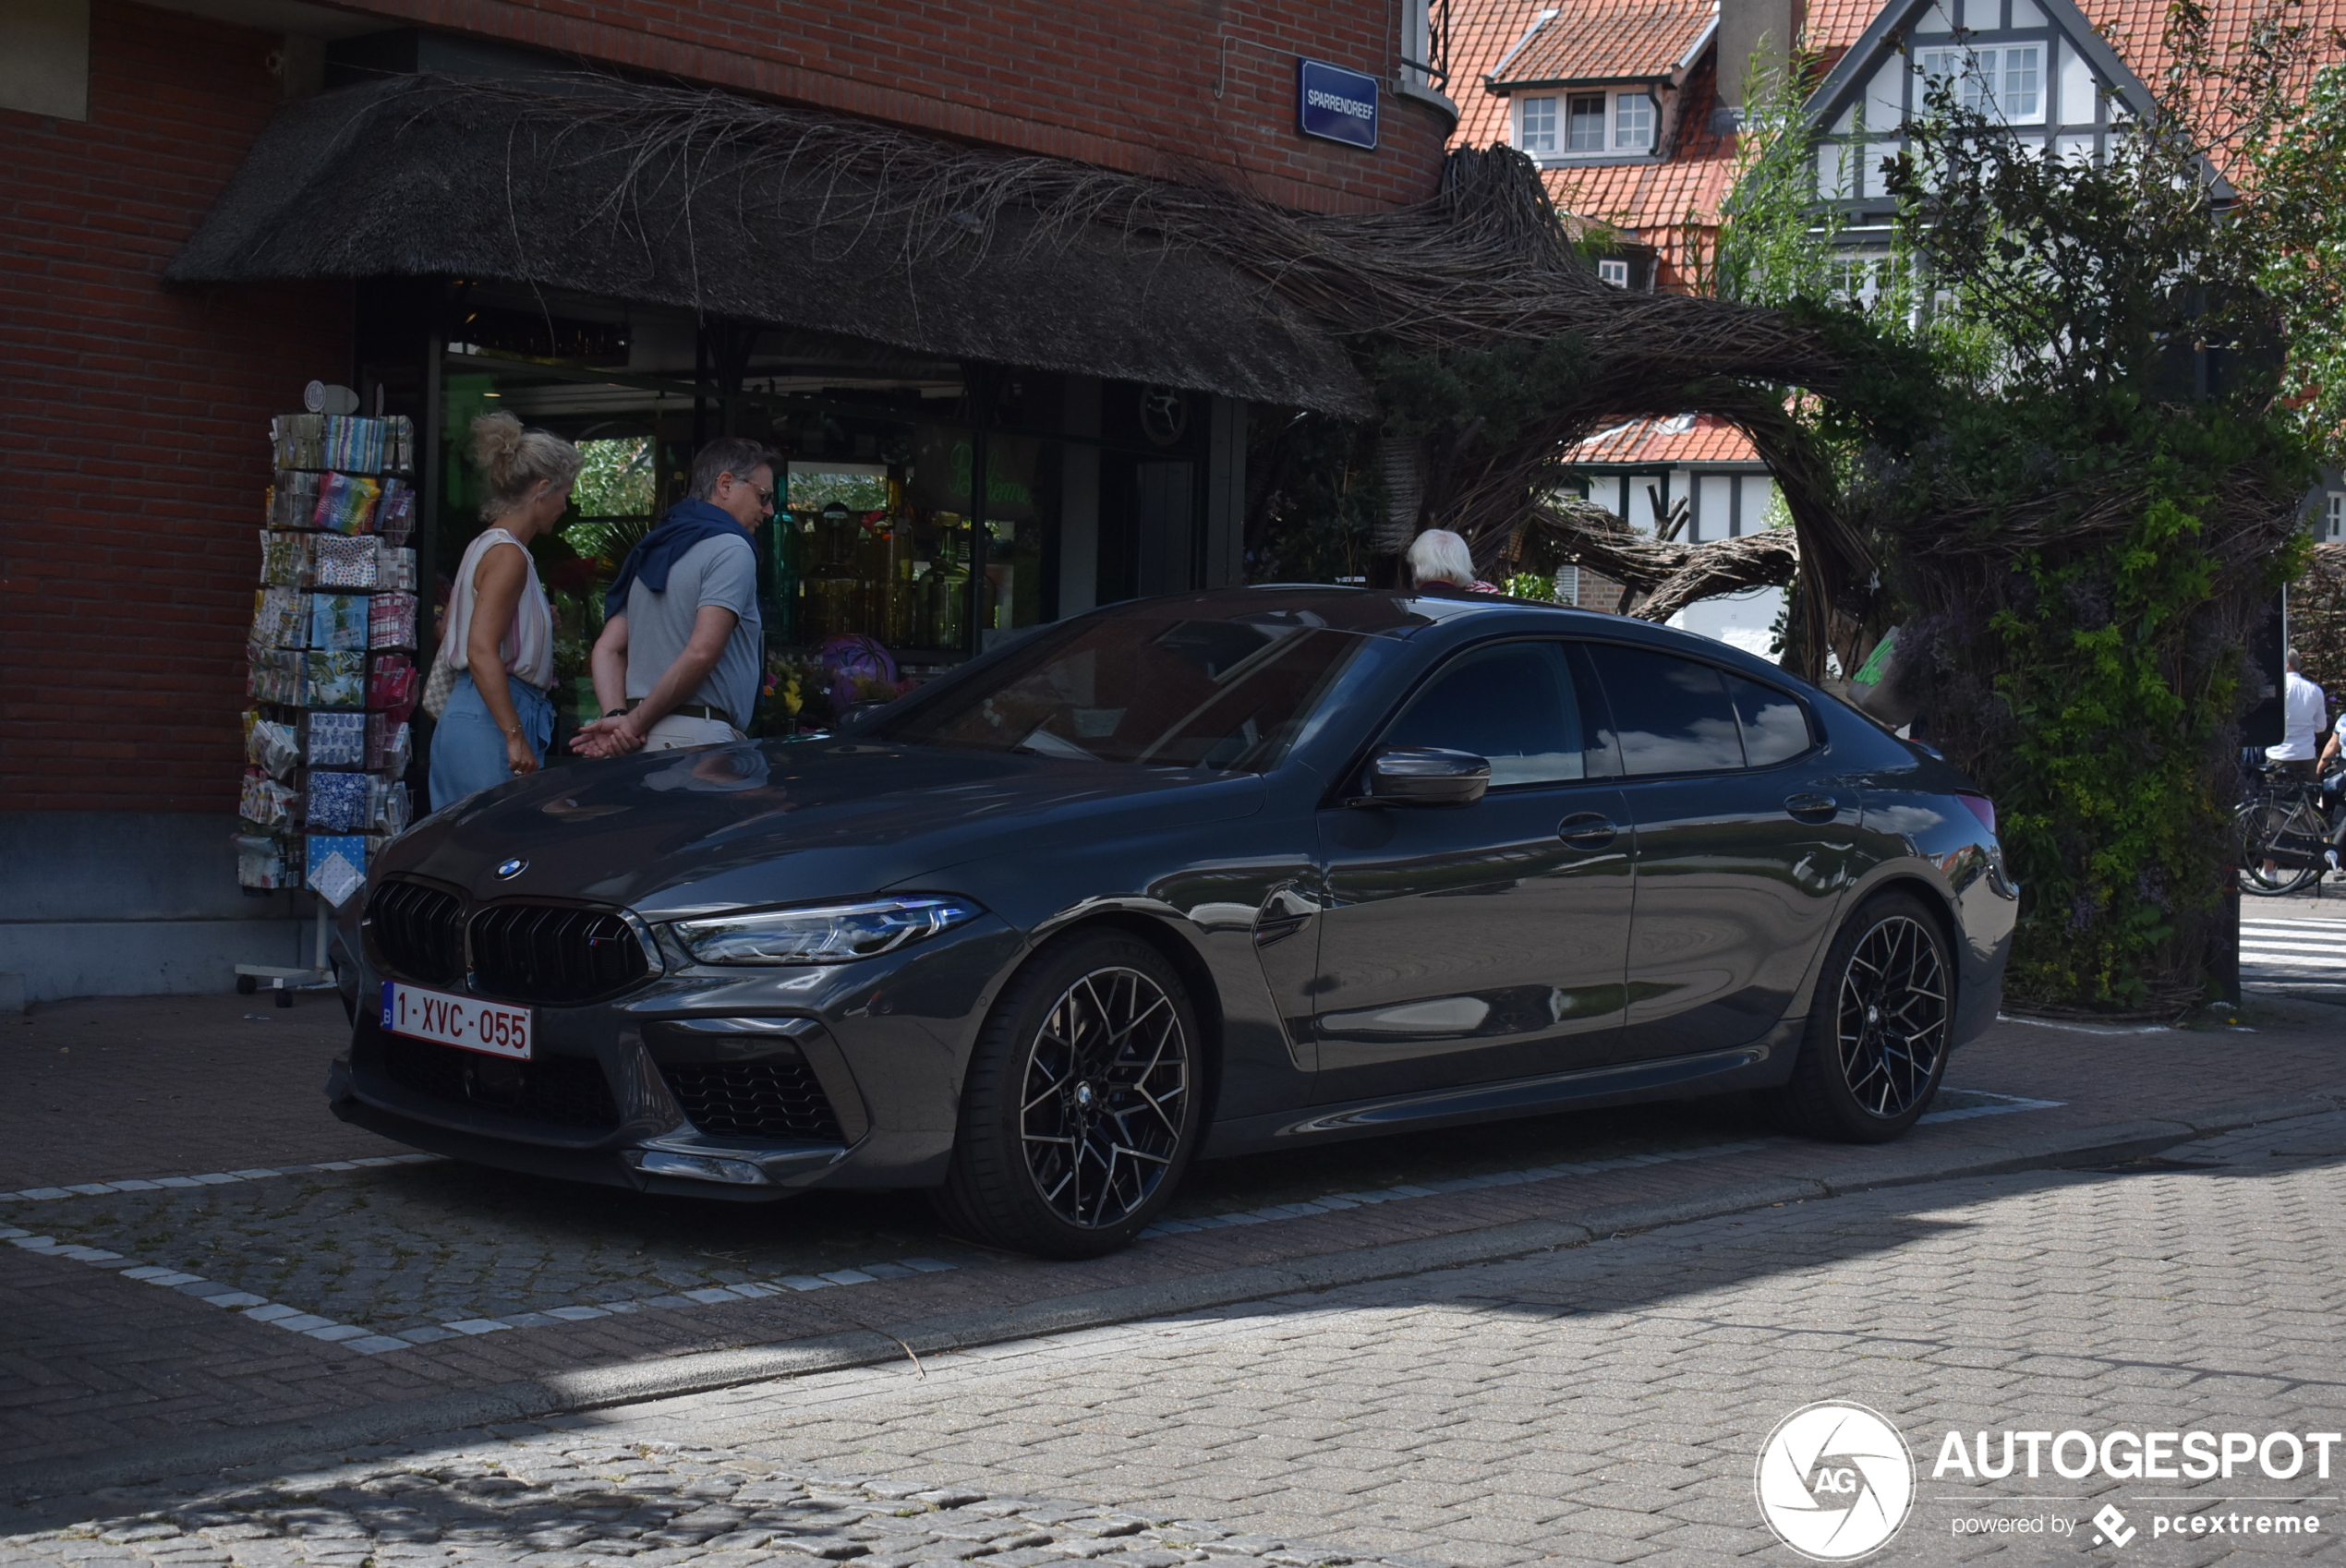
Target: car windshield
x,y
1224,694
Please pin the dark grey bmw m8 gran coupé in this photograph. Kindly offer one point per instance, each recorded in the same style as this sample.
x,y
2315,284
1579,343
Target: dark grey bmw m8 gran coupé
x,y
1189,877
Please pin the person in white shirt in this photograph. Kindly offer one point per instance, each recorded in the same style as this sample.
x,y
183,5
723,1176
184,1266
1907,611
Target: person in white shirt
x,y
2304,712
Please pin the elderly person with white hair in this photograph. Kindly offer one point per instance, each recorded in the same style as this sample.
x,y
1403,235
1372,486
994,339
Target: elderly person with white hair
x,y
1440,556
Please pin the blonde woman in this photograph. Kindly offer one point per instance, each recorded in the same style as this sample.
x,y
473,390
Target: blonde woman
x,y
500,633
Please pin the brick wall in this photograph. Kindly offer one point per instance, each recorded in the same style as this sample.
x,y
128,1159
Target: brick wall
x,y
131,481
131,475
1127,84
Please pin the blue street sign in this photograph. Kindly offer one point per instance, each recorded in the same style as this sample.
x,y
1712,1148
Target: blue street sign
x,y
1332,102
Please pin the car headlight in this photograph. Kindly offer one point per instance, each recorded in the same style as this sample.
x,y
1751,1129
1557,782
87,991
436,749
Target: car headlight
x,y
826,934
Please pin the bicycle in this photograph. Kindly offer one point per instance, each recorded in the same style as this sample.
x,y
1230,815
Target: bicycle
x,y
2288,822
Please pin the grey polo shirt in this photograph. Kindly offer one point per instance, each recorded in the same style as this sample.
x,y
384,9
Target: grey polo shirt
x,y
722,571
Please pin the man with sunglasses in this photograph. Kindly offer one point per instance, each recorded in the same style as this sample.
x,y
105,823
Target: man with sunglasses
x,y
682,645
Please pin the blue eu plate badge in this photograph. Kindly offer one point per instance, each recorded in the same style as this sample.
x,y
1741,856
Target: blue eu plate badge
x,y
1334,104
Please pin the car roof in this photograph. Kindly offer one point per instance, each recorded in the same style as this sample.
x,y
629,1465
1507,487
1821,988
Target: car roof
x,y
1413,612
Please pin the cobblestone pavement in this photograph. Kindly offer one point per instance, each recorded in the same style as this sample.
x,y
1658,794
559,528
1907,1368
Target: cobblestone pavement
x,y
237,1260
1602,1402
418,1249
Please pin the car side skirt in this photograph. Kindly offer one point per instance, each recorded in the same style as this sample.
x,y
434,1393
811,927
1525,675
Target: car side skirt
x,y
1764,1064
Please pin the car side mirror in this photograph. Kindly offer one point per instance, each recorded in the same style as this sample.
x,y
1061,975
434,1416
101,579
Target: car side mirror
x,y
854,716
1426,776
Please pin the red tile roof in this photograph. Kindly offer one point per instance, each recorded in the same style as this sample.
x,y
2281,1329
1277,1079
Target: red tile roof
x,y
1661,199
1595,40
1665,442
1647,195
1652,199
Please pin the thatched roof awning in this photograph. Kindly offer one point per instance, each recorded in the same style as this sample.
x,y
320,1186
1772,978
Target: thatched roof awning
x,y
766,215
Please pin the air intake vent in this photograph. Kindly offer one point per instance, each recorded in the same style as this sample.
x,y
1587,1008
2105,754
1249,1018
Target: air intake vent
x,y
553,953
768,1098
418,932
565,1090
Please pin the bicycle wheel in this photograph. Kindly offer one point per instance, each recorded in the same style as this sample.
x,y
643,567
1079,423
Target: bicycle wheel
x,y
2261,823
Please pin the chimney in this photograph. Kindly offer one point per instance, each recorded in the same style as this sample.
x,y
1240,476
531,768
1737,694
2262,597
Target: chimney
x,y
1756,40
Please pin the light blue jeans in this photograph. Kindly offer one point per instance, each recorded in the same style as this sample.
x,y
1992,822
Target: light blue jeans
x,y
469,750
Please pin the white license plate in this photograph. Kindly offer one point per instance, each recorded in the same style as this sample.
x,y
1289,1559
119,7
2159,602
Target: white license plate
x,y
456,1020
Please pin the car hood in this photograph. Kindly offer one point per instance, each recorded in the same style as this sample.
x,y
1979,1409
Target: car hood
x,y
678,833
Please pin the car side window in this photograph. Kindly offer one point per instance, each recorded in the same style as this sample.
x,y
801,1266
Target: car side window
x,y
1671,715
1775,728
1515,705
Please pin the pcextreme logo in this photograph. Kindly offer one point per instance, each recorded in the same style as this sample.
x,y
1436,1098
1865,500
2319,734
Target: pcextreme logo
x,y
1834,1480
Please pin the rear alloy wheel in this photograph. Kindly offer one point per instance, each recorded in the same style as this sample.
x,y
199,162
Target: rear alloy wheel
x,y
1875,1045
1080,1109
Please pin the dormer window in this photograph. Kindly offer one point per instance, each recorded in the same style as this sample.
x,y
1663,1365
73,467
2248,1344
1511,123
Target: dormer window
x,y
1632,123
1537,131
1585,124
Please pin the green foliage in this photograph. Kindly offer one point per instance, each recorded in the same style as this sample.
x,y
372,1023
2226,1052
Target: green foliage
x,y
2297,214
2088,675
2106,807
1486,396
1775,244
618,479
1313,493
1531,586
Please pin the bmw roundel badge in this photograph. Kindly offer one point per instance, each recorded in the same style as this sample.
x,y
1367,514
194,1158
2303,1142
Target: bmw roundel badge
x,y
513,869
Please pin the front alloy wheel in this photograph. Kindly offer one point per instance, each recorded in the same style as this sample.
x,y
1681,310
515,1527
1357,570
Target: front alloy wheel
x,y
1080,1109
1876,1044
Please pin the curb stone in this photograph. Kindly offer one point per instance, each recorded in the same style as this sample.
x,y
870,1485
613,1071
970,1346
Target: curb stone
x,y
534,1399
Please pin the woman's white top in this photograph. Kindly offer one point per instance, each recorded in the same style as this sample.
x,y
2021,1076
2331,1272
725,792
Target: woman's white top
x,y
527,646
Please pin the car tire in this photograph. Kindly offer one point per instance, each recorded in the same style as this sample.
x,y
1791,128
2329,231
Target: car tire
x,y
1876,1044
1082,1107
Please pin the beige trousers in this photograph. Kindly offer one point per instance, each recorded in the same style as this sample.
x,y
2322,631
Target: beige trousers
x,y
676,731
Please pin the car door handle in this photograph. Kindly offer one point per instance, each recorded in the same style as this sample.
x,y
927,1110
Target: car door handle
x,y
1812,808
1587,830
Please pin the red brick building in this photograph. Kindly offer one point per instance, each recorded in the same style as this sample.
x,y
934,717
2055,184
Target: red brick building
x,y
1107,416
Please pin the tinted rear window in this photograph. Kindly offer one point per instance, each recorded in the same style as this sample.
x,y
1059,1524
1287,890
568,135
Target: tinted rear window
x,y
1670,714
1775,728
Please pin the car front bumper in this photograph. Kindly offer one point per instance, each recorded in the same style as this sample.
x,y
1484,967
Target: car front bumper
x,y
748,1085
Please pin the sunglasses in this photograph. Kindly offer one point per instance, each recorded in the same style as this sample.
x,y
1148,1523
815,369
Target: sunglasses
x,y
765,498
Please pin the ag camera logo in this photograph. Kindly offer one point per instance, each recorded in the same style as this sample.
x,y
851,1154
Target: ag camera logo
x,y
1834,1480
